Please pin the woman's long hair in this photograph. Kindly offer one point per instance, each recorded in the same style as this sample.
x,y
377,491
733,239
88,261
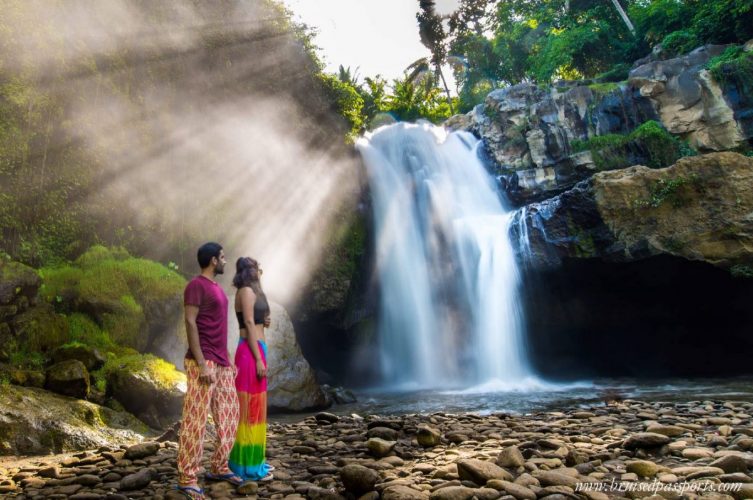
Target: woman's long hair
x,y
248,273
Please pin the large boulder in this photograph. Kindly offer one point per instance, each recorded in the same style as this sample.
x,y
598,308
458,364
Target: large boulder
x,y
91,357
689,101
35,421
69,378
292,383
698,209
149,387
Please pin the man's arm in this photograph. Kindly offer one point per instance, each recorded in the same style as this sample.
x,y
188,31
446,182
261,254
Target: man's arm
x,y
191,312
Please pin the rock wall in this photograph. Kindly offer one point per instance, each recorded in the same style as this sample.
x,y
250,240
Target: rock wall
x,y
528,131
701,209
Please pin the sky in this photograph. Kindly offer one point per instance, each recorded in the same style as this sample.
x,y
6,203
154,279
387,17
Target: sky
x,y
375,36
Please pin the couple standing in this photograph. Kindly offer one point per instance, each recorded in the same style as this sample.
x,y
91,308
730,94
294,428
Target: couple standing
x,y
236,394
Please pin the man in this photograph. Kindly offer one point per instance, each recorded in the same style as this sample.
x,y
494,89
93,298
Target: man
x,y
211,376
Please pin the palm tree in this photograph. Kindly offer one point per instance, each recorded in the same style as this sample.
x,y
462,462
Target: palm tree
x,y
433,37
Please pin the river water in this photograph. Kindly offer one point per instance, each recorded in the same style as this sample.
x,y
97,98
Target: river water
x,y
556,397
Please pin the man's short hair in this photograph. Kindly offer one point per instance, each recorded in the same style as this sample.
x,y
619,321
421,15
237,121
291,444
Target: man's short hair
x,y
206,252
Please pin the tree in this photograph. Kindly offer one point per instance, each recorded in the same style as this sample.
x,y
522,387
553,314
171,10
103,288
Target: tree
x,y
433,37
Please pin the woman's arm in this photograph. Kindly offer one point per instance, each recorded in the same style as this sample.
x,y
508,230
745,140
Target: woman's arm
x,y
248,298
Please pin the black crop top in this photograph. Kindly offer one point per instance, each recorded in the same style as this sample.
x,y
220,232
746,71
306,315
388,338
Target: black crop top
x,y
261,311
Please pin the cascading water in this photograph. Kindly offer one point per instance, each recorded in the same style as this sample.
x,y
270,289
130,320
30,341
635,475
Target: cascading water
x,y
449,311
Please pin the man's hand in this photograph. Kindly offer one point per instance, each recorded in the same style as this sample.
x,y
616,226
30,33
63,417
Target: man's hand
x,y
205,374
267,321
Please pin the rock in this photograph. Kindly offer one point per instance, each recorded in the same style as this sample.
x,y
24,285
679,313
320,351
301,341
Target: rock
x,y
358,479
643,468
137,480
69,378
667,430
645,440
292,383
89,356
731,463
141,450
690,102
554,478
510,457
379,447
690,472
400,492
323,494
428,437
520,492
26,378
453,493
611,215
383,433
697,453
17,280
41,422
248,488
148,387
326,417
481,471
745,491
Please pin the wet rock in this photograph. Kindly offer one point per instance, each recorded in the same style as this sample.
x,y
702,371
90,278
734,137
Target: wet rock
x,y
731,464
400,492
379,447
481,471
511,457
248,488
646,440
428,436
141,450
137,480
358,479
69,378
643,468
383,433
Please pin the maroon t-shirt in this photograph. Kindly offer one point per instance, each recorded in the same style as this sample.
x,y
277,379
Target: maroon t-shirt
x,y
211,320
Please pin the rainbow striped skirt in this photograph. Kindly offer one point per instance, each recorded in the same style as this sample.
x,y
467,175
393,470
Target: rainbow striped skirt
x,y
247,459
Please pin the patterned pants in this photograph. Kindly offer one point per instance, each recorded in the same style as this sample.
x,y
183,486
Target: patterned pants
x,y
219,396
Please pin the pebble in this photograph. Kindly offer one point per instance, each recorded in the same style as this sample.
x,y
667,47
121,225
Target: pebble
x,y
544,455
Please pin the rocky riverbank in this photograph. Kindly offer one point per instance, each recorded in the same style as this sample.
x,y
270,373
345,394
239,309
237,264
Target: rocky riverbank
x,y
555,455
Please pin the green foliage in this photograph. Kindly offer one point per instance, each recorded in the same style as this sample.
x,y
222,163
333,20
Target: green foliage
x,y
545,40
680,42
112,287
741,271
733,67
611,151
346,101
163,373
668,190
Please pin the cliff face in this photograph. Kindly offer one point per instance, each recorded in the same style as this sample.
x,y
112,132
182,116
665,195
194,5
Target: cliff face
x,y
537,139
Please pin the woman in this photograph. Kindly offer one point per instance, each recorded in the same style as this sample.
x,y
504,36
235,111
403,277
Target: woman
x,y
247,459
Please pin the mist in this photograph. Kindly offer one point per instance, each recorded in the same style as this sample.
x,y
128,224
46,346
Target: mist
x,y
201,121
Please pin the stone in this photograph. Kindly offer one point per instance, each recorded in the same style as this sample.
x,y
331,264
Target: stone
x,y
697,453
358,479
554,478
379,447
329,418
400,492
643,468
136,481
645,440
481,471
731,463
383,433
141,450
453,493
69,378
666,430
248,488
520,492
510,457
292,382
428,437
91,358
42,422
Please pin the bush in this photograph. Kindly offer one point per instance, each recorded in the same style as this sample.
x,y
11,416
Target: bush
x,y
680,42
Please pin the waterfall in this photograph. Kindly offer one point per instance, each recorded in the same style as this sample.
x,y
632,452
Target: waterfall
x,y
449,312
